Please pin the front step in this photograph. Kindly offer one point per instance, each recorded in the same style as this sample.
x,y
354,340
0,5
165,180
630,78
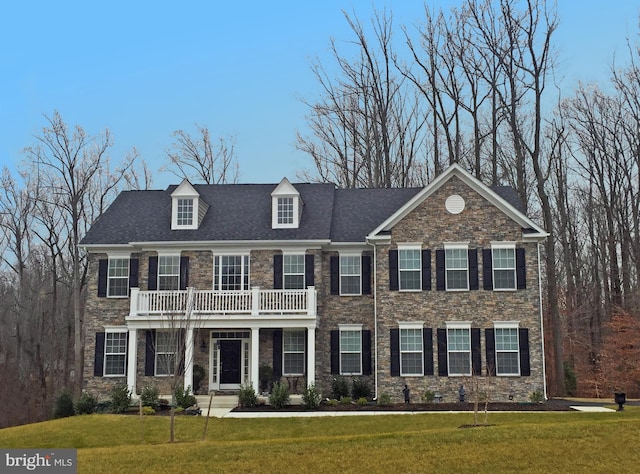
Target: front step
x,y
218,401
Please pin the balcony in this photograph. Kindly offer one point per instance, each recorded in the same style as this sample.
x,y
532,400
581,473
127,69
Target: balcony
x,y
210,303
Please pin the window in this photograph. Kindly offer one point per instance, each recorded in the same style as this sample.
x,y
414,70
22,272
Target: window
x,y
293,272
350,274
231,272
459,350
350,351
411,351
293,352
115,353
457,268
507,351
504,268
409,268
285,210
169,272
185,212
118,280
165,352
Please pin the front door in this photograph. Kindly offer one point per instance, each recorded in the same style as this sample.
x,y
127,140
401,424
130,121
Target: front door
x,y
230,362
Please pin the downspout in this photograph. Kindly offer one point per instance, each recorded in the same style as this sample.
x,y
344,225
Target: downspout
x,y
375,320
544,364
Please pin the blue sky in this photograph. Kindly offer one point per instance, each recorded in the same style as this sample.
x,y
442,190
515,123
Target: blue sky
x,y
144,69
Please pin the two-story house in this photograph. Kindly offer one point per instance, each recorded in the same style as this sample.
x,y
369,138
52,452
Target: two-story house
x,y
420,286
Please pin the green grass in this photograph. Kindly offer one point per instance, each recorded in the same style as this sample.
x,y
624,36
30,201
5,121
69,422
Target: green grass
x,y
526,442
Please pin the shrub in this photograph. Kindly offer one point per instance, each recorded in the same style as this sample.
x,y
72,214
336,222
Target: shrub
x,y
149,396
247,396
120,399
63,405
428,396
311,397
86,404
339,388
346,400
147,410
570,379
360,389
384,399
279,396
536,397
183,397
198,376
362,402
333,402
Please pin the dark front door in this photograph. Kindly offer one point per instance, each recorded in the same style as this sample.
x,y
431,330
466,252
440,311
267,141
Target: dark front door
x,y
230,352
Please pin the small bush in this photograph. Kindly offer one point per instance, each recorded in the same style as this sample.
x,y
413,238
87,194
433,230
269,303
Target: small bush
x,y
149,396
183,397
428,396
120,399
63,405
147,410
360,389
536,397
279,396
346,400
362,402
570,379
384,399
311,397
86,404
333,402
247,396
199,374
339,388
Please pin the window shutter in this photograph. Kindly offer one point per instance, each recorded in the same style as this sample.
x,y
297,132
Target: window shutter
x,y
277,354
150,353
490,350
473,269
426,269
152,284
476,353
443,370
440,286
334,270
309,270
126,357
427,341
98,360
277,271
180,346
366,352
335,352
134,263
103,269
394,284
487,269
395,351
366,274
184,273
523,339
521,269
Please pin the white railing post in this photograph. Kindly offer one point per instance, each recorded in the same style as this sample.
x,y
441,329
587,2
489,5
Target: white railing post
x,y
131,362
134,294
255,301
311,301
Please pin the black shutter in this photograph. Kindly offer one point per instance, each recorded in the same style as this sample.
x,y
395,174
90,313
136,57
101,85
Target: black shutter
x,y
490,350
473,269
334,270
440,286
277,354
476,353
366,274
309,270
98,360
393,271
366,352
427,341
277,271
394,335
523,339
150,353
184,273
152,284
103,269
126,357
426,269
133,272
335,352
180,344
521,269
487,269
443,370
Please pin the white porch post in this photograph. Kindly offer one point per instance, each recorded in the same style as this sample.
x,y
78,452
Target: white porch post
x,y
311,356
188,359
255,357
132,352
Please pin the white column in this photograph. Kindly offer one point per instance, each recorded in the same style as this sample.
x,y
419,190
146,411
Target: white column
x,y
255,357
188,359
311,356
132,352
133,301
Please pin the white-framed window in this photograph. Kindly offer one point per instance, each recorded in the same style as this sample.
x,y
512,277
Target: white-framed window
x,y
507,348
286,206
231,272
187,209
285,210
293,272
459,348
351,349
118,277
165,352
504,266
115,353
456,257
185,212
350,274
293,343
168,272
409,268
411,347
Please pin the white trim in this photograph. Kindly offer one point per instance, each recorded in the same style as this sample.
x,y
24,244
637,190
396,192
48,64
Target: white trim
x,y
459,325
410,246
350,327
411,326
506,324
285,190
114,330
357,255
456,246
168,253
513,325
503,245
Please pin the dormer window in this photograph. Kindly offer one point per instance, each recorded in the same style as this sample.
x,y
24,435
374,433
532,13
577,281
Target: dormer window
x,y
285,210
185,212
286,206
187,208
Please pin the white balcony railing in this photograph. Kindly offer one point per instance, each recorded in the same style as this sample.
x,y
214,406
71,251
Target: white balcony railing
x,y
211,302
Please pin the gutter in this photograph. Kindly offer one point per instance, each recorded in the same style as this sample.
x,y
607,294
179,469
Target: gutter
x,y
544,363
